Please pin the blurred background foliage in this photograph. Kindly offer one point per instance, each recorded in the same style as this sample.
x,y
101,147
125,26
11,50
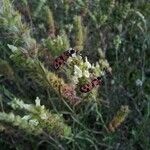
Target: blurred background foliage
x,y
34,32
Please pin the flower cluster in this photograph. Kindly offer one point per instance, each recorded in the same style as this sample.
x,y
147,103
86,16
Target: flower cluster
x,y
80,33
83,68
65,90
57,44
82,71
36,120
50,22
24,123
119,118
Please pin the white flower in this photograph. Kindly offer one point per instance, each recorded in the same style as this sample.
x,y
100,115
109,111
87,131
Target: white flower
x,y
80,57
37,101
26,117
44,116
75,79
138,82
19,104
104,63
92,66
11,117
112,82
12,47
33,122
101,73
69,60
97,65
87,63
28,107
129,59
74,55
86,73
77,71
17,121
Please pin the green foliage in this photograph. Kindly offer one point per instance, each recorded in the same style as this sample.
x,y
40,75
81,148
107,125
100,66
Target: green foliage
x,y
6,70
110,34
57,45
38,118
79,33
